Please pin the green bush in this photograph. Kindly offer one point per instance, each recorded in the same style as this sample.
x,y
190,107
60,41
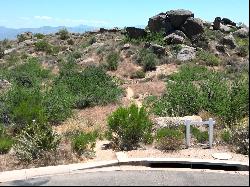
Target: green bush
x,y
147,59
34,141
200,136
84,142
128,127
226,135
70,42
5,144
58,103
209,58
138,75
169,139
1,52
176,102
196,88
39,35
112,61
91,87
64,34
43,46
25,105
29,74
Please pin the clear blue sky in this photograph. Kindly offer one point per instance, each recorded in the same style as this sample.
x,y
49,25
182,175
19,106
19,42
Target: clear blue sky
x,y
36,13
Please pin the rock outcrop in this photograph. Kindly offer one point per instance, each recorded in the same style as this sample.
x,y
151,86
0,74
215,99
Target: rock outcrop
x,y
186,53
229,41
134,32
175,20
192,27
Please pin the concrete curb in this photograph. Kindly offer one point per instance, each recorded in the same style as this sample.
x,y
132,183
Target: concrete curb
x,y
25,174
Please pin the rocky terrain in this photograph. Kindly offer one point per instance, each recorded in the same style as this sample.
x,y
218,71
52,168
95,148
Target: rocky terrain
x,y
174,38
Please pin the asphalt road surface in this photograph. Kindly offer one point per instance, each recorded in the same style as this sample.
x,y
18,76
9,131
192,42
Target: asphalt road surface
x,y
139,178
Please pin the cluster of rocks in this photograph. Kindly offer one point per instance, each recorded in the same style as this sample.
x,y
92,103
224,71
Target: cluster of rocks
x,y
177,25
173,20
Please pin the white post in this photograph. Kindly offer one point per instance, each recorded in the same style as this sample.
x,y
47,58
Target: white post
x,y
210,132
187,123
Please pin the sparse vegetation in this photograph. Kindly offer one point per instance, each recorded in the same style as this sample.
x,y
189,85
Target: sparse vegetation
x,y
63,34
84,143
39,35
209,58
169,139
138,75
34,141
112,61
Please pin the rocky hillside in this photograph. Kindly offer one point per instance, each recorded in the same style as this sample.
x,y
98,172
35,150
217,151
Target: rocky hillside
x,y
179,65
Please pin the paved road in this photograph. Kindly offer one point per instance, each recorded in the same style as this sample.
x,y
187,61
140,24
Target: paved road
x,y
139,178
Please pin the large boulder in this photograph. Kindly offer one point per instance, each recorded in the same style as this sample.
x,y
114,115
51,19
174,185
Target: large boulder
x,y
159,23
242,33
217,23
186,53
134,32
178,17
227,21
225,28
229,41
174,39
157,49
192,27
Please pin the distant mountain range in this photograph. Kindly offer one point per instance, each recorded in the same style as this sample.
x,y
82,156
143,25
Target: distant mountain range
x,y
10,33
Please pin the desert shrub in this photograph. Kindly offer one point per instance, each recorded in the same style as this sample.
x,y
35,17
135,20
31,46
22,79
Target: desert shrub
x,y
5,144
226,135
21,38
76,54
209,58
70,42
177,100
34,140
83,143
39,35
154,37
239,100
58,103
25,105
128,127
28,74
89,42
138,75
213,34
169,139
112,61
43,46
5,141
91,87
243,46
243,51
200,136
1,52
215,92
12,59
240,136
147,59
63,34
